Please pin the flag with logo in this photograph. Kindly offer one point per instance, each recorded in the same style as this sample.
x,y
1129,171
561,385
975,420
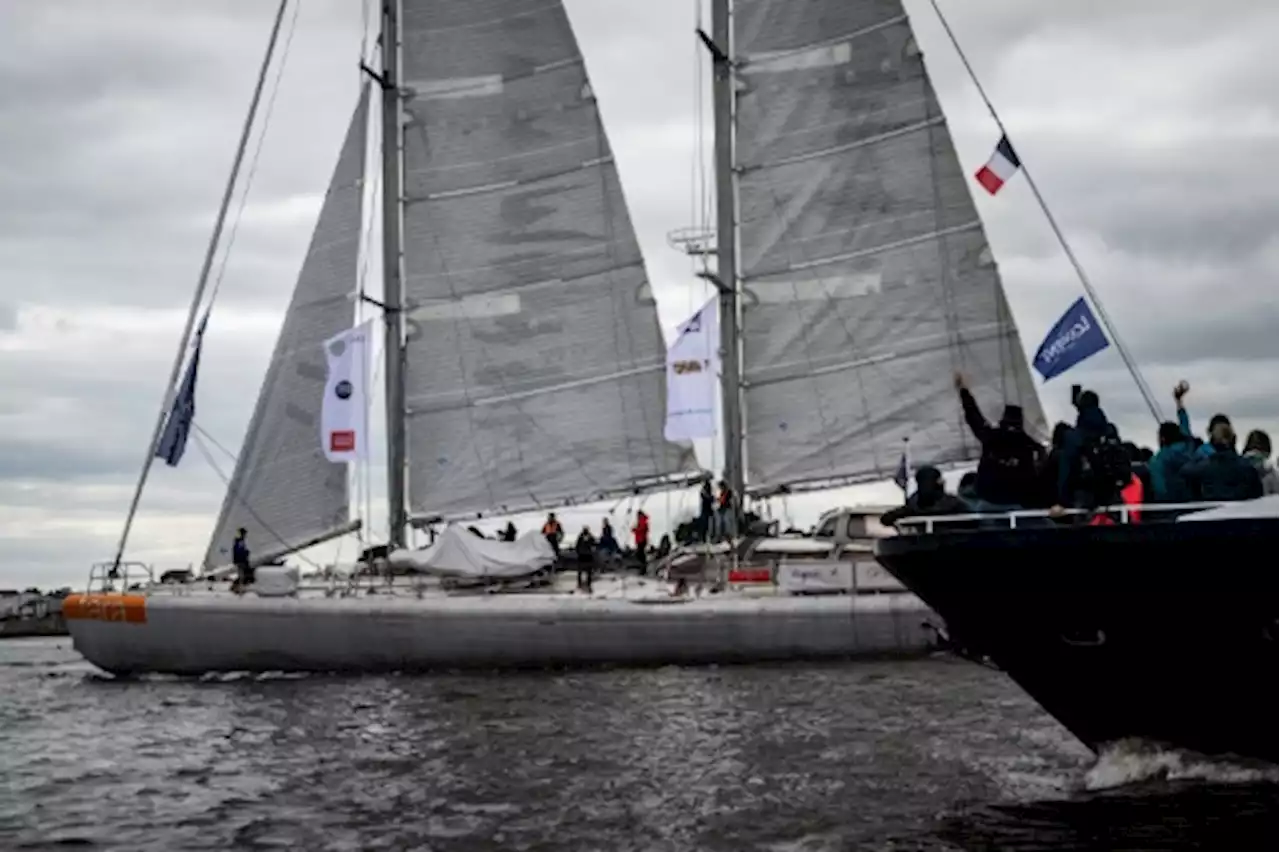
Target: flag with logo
x,y
693,373
1073,338
344,414
182,413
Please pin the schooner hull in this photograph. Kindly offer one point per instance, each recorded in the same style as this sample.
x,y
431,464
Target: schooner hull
x,y
198,634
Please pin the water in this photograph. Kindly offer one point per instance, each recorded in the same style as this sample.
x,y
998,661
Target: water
x,y
937,754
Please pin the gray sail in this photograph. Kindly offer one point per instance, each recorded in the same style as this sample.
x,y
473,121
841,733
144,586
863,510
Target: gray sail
x,y
867,276
535,365
283,489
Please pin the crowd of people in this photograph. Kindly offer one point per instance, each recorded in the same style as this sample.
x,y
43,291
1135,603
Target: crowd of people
x,y
1089,465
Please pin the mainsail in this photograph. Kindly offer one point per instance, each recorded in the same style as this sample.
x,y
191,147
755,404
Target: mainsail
x,y
534,362
867,278
283,489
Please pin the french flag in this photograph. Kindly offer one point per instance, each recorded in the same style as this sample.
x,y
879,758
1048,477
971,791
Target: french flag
x,y
1004,164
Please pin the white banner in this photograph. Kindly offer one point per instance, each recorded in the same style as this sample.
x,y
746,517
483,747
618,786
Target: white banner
x,y
344,415
693,377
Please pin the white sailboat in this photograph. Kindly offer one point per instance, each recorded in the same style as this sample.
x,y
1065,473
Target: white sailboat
x,y
525,369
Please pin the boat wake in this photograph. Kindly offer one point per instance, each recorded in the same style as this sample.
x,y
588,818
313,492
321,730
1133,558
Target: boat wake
x,y
1130,762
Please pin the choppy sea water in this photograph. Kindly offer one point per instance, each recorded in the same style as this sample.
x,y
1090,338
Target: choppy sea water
x,y
937,754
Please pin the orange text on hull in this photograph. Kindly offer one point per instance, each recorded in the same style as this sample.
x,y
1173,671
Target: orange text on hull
x,y
127,608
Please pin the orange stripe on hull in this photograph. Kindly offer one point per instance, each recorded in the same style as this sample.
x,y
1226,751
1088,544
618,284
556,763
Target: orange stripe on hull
x,y
131,609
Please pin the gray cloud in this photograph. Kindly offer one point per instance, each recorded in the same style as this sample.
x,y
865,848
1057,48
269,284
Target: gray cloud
x,y
1150,126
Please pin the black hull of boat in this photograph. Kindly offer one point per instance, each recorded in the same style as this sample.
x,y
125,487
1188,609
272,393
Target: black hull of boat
x,y
1164,632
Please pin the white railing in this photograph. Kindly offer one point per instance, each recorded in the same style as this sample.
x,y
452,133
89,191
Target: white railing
x,y
106,576
1124,513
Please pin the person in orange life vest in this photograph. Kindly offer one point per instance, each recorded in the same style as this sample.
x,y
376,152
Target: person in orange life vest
x,y
553,533
641,532
1130,495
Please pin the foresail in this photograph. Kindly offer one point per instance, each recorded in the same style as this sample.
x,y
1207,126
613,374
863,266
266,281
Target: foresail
x,y
867,276
283,489
535,363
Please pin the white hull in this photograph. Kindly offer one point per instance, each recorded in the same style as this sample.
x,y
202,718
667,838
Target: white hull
x,y
198,633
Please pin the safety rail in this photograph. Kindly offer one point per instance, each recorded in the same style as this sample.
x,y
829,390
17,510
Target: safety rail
x,y
1124,514
104,576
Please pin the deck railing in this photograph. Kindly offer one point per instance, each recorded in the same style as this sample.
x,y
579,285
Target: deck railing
x,y
109,577
1122,514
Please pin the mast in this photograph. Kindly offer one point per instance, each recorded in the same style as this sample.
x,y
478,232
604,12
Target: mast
x,y
727,244
170,390
393,281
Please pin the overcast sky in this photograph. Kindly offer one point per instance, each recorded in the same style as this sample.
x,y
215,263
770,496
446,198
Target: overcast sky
x,y
1151,126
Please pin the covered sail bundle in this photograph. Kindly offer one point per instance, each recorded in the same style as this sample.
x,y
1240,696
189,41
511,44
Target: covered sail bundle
x,y
283,489
534,361
867,278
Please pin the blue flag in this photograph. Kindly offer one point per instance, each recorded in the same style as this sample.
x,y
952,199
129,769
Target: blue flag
x,y
902,476
173,441
1072,339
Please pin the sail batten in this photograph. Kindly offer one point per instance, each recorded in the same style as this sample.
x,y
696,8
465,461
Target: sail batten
x,y
867,279
533,355
283,490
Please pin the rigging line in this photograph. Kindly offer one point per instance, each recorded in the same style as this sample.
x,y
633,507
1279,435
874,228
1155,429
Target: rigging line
x,y
257,153
200,429
208,457
206,266
1143,388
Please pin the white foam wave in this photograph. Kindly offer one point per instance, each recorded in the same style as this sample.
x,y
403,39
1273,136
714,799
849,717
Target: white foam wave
x,y
1134,761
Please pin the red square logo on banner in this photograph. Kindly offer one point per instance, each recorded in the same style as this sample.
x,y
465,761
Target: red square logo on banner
x,y
342,441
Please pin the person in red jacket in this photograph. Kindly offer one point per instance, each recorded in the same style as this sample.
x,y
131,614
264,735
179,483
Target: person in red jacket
x,y
641,532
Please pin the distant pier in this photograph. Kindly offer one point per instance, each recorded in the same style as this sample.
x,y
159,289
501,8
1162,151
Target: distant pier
x,y
31,613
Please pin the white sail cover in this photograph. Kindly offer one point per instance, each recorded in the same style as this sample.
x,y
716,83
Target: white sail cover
x,y
866,273
283,489
535,363
460,553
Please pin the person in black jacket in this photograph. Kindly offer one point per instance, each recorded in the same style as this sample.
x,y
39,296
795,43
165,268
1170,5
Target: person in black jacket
x,y
1010,457
931,498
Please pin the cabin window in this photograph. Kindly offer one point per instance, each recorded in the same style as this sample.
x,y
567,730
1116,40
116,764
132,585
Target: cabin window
x,y
827,529
857,527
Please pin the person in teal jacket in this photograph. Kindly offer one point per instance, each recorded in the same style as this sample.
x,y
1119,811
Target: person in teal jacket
x,y
1177,447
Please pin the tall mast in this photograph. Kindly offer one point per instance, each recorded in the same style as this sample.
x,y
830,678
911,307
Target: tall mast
x,y
393,281
170,390
727,244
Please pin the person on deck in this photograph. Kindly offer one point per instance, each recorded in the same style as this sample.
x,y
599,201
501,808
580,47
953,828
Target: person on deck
x,y
726,520
1208,448
1257,451
1222,474
641,533
509,534
1010,457
930,498
1093,466
706,511
585,549
1047,472
553,533
609,542
240,559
